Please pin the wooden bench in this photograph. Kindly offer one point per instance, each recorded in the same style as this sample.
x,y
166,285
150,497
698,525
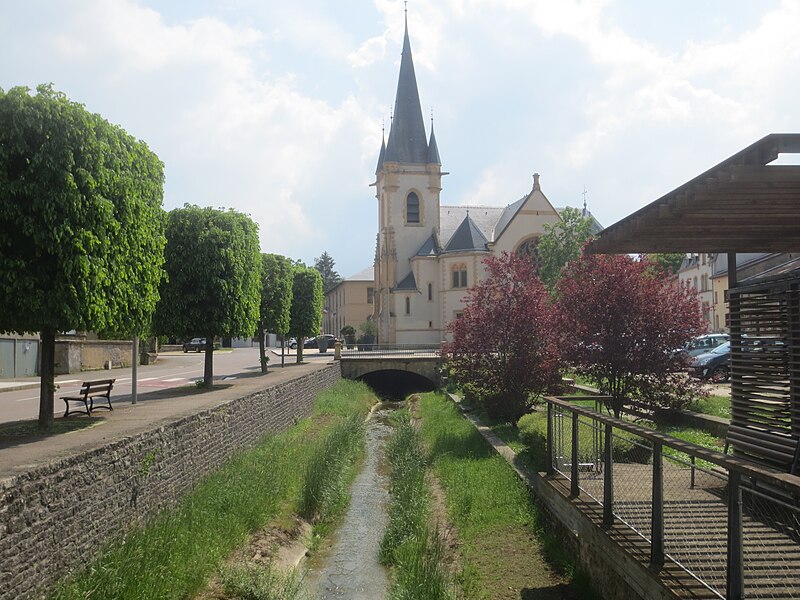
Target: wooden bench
x,y
89,391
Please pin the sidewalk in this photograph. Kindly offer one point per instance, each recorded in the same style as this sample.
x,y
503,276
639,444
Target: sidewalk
x,y
20,455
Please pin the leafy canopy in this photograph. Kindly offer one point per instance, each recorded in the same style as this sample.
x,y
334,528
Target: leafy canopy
x,y
81,224
621,322
503,350
213,266
561,243
277,277
306,311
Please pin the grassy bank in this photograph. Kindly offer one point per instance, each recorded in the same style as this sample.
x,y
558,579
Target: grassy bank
x,y
176,553
410,544
505,553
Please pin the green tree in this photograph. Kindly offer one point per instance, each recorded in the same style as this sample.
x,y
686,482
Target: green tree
x,y
213,266
81,224
561,243
277,275
669,262
306,311
324,264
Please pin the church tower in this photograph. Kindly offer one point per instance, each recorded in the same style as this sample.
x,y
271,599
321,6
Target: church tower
x,y
408,184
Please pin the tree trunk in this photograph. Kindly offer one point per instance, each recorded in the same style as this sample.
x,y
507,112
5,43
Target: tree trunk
x,y
262,351
47,386
301,341
208,372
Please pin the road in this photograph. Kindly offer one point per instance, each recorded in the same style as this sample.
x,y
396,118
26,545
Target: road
x,y
174,369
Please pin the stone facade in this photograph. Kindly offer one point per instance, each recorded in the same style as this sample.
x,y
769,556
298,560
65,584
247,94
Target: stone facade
x,y
55,517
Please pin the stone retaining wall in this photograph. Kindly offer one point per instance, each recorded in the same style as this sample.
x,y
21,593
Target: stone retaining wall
x,y
57,516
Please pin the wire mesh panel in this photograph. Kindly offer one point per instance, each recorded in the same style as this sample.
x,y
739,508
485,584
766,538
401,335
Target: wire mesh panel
x,y
678,500
696,518
771,543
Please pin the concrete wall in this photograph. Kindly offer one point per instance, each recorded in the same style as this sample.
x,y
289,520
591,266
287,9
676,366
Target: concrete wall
x,y
56,516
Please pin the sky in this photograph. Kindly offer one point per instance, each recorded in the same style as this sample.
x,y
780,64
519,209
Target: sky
x,y
276,108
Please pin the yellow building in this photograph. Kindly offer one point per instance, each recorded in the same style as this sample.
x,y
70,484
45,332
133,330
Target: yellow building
x,y
349,302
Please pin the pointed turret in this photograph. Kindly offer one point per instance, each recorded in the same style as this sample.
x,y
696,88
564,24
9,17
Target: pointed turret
x,y
433,149
468,236
381,156
407,139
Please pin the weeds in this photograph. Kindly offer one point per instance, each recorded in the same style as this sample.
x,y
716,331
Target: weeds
x,y
259,582
506,552
325,484
174,555
408,543
408,506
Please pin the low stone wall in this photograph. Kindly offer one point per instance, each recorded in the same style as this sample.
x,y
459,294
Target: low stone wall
x,y
76,355
55,517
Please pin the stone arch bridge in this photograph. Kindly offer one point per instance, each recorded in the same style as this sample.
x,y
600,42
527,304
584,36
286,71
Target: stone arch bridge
x,y
406,368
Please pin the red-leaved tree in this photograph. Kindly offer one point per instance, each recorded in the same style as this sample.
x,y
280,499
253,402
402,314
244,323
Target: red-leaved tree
x,y
621,321
503,351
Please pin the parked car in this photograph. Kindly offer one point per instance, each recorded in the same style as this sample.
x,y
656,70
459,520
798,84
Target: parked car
x,y
706,343
310,343
292,343
194,345
713,365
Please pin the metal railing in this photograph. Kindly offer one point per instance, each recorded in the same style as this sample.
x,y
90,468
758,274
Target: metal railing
x,y
732,525
373,351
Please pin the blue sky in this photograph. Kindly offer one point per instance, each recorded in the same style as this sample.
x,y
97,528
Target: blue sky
x,y
275,108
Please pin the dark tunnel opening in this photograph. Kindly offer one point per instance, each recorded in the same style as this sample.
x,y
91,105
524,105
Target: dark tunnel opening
x,y
396,385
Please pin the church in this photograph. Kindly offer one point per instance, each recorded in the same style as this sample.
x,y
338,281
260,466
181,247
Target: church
x,y
428,255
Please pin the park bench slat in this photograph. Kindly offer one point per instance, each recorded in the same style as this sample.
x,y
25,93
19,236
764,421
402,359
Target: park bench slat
x,y
98,388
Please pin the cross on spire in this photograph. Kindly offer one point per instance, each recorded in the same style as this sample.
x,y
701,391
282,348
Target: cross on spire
x,y
584,201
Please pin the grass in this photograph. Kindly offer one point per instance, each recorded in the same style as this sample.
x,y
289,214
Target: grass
x,y
325,485
717,406
409,544
529,441
175,554
258,582
505,551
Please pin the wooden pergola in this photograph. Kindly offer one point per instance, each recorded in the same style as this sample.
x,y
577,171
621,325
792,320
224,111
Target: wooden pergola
x,y
743,204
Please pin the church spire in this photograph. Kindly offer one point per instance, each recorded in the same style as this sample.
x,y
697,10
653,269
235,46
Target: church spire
x,y
407,140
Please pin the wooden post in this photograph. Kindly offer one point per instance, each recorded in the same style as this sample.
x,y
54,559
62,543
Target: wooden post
x,y
735,568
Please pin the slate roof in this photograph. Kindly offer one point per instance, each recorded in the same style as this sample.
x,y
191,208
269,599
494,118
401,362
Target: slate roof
x,y
431,247
409,283
509,213
484,217
466,237
407,140
433,149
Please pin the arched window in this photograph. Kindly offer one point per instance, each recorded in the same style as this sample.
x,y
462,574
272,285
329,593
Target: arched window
x,y
412,208
408,305
430,292
530,249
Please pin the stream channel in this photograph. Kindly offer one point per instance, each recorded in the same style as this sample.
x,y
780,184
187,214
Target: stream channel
x,y
350,569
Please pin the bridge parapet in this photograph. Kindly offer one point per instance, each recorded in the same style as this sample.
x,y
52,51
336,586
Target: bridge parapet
x,y
423,360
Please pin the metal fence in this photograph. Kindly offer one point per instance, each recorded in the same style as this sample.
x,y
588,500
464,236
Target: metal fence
x,y
732,525
373,351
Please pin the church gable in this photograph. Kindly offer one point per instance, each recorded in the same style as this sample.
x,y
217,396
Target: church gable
x,y
524,219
